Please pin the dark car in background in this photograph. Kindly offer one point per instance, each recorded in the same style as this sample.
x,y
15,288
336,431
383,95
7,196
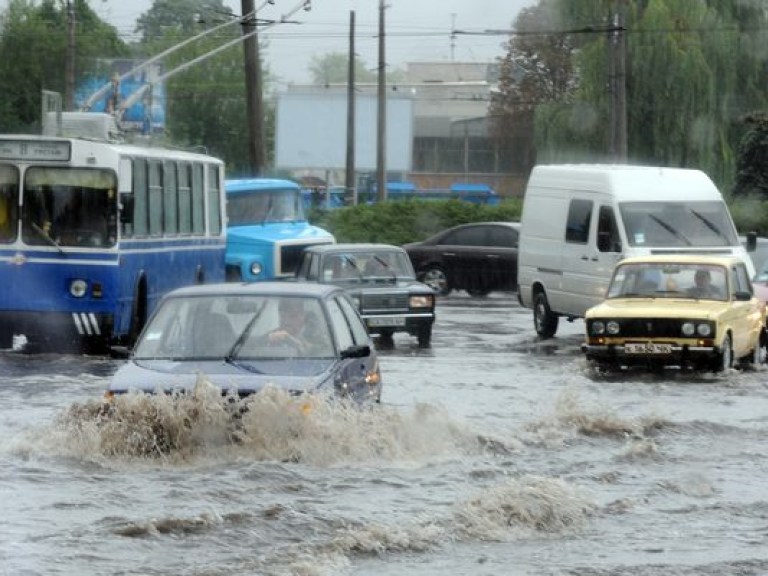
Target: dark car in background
x,y
480,257
381,282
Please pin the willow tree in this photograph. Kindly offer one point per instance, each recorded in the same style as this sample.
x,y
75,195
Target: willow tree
x,y
693,69
537,71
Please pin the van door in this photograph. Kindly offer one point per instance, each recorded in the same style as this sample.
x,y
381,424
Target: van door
x,y
592,248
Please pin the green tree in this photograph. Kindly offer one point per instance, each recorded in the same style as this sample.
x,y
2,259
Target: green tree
x,y
536,70
751,165
693,68
206,102
333,68
33,48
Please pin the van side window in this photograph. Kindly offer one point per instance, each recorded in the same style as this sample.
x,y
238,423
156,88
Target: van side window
x,y
579,217
608,239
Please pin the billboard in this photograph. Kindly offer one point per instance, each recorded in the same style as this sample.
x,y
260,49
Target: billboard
x,y
147,114
311,131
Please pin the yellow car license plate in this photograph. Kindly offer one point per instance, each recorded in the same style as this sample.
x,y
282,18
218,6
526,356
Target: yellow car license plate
x,y
647,348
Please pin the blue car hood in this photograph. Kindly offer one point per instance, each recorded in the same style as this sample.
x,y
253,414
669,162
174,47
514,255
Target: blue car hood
x,y
242,377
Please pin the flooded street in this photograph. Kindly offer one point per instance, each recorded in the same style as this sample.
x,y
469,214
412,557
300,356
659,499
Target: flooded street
x,y
492,454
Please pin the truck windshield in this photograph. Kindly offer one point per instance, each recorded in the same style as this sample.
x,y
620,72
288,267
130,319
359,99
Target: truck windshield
x,y
696,224
263,206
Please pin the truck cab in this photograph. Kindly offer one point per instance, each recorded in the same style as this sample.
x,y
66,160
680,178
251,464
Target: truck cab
x,y
267,229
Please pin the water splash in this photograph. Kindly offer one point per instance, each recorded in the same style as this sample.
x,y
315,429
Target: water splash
x,y
269,426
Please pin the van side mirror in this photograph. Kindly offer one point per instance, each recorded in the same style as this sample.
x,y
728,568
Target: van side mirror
x,y
751,241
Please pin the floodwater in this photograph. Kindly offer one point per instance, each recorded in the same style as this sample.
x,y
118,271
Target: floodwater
x,y
492,454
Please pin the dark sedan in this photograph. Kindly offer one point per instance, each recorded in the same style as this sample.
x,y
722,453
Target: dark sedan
x,y
480,257
381,282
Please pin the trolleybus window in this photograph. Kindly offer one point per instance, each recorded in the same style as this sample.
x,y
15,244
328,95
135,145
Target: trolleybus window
x,y
9,203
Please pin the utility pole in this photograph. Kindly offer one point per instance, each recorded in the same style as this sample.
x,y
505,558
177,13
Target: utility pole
x,y
69,86
617,61
381,124
253,90
349,181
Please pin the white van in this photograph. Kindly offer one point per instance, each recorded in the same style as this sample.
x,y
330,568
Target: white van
x,y
579,220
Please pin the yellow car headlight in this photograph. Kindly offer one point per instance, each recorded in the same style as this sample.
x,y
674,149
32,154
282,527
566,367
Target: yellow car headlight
x,y
704,330
598,327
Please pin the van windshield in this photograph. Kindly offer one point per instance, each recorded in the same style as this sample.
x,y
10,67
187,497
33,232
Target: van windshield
x,y
695,224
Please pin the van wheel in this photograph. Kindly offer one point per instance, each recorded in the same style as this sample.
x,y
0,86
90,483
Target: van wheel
x,y
544,320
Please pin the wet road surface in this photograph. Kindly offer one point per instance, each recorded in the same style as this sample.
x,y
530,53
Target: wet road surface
x,y
493,453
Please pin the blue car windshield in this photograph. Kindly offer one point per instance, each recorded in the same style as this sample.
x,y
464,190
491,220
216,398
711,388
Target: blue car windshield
x,y
237,328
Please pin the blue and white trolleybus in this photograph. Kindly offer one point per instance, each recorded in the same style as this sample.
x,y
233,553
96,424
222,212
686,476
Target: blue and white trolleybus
x,y
93,232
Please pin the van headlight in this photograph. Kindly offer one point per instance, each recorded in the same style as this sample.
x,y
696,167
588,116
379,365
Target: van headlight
x,y
256,268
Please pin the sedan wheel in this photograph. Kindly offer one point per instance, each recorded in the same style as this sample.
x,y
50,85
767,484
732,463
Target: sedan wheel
x,y
760,353
436,278
724,360
424,336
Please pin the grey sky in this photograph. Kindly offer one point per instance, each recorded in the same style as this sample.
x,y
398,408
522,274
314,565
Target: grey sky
x,y
417,30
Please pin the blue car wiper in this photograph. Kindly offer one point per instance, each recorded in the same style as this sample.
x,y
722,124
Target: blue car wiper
x,y
242,365
230,356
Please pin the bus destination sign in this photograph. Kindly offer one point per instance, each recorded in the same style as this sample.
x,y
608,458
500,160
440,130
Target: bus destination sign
x,y
34,150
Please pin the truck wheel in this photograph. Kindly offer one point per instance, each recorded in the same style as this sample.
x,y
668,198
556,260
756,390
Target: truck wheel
x,y
544,320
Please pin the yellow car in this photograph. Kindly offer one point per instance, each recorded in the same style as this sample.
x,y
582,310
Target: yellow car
x,y
677,310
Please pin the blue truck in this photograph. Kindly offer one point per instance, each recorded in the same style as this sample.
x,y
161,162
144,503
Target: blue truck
x,y
267,229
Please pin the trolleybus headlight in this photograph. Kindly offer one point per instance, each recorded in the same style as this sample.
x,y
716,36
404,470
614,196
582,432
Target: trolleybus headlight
x,y
598,327
256,268
688,329
612,327
78,288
